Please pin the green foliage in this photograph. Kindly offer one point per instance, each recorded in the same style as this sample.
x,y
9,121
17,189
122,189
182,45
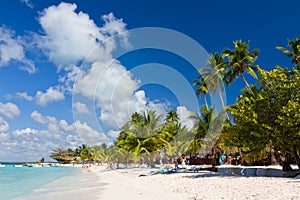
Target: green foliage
x,y
239,60
294,51
146,135
201,88
62,155
269,115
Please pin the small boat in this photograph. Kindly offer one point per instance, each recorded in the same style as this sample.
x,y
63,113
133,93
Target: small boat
x,y
18,166
36,165
2,165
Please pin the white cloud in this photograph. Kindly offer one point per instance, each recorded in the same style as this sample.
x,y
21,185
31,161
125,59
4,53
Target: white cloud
x,y
4,126
70,36
37,117
9,110
11,49
24,95
81,108
185,115
115,26
27,3
114,90
67,80
89,135
26,131
30,144
113,134
54,126
53,94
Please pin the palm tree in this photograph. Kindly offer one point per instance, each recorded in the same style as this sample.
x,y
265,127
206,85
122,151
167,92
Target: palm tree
x,y
138,136
98,153
85,153
214,76
136,117
240,60
202,123
208,126
172,117
294,52
201,88
180,143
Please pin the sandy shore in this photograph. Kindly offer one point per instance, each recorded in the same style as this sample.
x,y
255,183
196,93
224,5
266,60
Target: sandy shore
x,y
127,184
99,183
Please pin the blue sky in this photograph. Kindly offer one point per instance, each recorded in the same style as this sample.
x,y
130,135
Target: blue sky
x,y
48,46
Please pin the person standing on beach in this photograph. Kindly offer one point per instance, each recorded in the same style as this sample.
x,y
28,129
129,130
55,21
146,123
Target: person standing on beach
x,y
222,159
176,164
183,166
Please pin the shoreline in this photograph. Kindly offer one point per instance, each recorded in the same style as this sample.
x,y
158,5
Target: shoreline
x,y
81,184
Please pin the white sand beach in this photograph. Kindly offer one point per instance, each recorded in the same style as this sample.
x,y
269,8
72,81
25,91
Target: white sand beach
x,y
99,183
127,184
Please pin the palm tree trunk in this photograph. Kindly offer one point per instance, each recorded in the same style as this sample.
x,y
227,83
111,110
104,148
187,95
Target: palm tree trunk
x,y
296,156
205,101
246,83
223,104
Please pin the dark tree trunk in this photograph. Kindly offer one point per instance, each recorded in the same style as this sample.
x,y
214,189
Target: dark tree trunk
x,y
296,156
214,159
284,162
240,153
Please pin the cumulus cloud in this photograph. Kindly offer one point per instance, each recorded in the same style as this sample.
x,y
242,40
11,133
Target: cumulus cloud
x,y
4,126
53,94
112,87
11,49
114,26
89,135
26,131
69,36
185,115
81,108
30,144
24,95
37,117
9,110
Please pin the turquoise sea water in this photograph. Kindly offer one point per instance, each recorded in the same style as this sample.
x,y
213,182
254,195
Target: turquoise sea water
x,y
20,181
